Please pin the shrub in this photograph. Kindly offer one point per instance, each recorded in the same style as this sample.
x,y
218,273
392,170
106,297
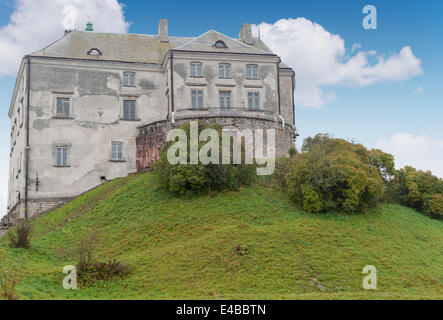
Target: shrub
x,y
334,175
201,178
101,271
417,189
89,270
436,205
21,238
292,152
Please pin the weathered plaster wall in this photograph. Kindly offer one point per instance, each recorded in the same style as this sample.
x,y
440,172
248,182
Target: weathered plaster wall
x,y
211,84
16,183
97,96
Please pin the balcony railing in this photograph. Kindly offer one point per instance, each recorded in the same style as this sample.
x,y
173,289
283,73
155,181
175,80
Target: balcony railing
x,y
226,112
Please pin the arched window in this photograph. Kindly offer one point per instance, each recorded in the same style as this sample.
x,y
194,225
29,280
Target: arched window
x,y
94,52
224,70
196,69
220,44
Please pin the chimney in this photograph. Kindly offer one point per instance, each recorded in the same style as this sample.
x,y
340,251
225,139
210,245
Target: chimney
x,y
246,34
163,30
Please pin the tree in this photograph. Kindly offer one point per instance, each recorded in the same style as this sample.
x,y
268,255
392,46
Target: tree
x,y
334,175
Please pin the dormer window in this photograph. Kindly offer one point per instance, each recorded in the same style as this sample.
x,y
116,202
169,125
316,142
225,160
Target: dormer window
x,y
220,44
94,52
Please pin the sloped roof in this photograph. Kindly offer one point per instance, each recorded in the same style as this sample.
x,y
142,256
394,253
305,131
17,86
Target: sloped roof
x,y
141,48
206,42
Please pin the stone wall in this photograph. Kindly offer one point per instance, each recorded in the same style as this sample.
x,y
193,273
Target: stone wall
x,y
36,207
152,138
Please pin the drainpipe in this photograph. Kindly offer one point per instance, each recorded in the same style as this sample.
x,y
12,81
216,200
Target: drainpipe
x,y
172,88
27,148
278,86
278,93
282,121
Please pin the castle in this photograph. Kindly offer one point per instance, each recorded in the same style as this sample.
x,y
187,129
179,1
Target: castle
x,y
92,106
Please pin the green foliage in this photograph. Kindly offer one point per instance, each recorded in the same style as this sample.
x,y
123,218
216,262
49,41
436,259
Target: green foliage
x,y
292,152
21,236
335,175
417,189
202,178
436,205
101,271
310,142
384,162
89,270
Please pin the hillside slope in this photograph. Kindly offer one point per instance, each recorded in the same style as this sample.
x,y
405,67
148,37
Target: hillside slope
x,y
251,244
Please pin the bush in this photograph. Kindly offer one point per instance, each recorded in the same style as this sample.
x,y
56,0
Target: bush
x,y
436,205
89,270
200,178
101,271
21,238
417,189
334,175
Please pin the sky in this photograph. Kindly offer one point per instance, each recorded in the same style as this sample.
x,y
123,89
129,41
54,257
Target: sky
x,y
380,87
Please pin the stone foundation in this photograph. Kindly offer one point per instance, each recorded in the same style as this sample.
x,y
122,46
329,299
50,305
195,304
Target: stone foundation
x,y
36,207
152,138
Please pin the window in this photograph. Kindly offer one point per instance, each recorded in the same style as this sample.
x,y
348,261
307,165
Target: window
x,y
62,156
63,107
225,99
196,69
253,100
94,52
220,44
129,110
116,151
252,71
197,99
224,70
129,79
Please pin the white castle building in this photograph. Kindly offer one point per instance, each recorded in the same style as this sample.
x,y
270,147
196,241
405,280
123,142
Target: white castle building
x,y
84,107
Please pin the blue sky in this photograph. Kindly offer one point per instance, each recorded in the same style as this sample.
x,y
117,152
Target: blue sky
x,y
385,114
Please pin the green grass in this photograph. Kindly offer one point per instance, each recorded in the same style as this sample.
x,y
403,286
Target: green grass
x,y
186,248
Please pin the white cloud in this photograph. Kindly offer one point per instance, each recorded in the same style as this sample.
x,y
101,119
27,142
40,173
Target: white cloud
x,y
35,24
421,152
419,90
356,46
319,59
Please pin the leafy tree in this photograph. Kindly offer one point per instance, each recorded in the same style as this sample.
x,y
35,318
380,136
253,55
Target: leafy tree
x,y
309,142
417,189
384,162
201,178
334,175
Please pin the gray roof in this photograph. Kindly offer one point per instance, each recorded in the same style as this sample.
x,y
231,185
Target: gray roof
x,y
141,48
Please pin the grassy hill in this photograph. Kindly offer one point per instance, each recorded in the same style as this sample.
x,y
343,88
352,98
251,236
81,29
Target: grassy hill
x,y
251,244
